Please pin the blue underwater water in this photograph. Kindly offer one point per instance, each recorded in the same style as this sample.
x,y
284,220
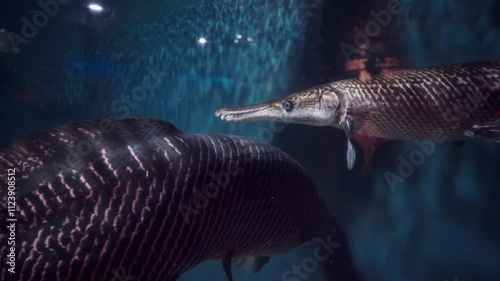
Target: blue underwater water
x,y
183,60
96,68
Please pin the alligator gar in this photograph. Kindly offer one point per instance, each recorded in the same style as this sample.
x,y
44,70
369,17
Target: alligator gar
x,y
439,103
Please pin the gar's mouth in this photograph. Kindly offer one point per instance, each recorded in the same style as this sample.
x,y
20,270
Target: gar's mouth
x,y
251,113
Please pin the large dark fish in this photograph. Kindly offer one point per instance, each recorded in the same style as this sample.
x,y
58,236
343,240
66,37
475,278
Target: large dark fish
x,y
136,199
422,104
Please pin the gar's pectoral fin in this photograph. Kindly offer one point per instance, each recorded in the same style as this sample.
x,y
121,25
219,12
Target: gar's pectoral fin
x,y
489,131
347,125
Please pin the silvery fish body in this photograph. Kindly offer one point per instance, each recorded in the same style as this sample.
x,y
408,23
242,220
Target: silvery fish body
x,y
418,104
136,199
446,103
424,104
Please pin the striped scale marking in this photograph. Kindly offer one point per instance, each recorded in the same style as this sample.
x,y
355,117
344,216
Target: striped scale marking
x,y
115,211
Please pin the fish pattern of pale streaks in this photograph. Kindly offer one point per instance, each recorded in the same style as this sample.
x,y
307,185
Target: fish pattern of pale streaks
x,y
127,205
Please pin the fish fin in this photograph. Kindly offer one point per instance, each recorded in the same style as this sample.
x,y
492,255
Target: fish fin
x,y
347,124
250,264
226,263
458,143
351,155
489,131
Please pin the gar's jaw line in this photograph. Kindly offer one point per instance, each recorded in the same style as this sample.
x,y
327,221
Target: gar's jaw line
x,y
250,113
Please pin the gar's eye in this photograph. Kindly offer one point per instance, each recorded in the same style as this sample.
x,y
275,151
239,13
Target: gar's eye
x,y
287,105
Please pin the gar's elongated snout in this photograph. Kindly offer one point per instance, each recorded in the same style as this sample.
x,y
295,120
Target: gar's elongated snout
x,y
251,113
316,106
